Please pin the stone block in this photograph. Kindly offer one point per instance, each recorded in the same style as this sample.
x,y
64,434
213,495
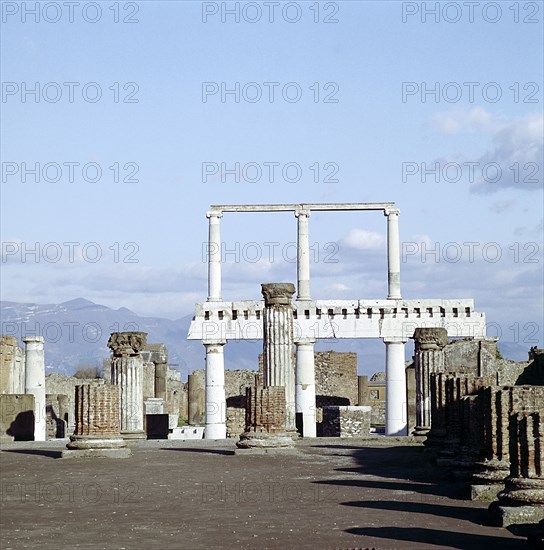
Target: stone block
x,y
187,432
157,426
346,421
16,417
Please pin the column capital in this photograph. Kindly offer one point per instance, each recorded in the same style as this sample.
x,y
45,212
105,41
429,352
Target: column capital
x,y
391,211
277,293
214,342
427,338
305,341
214,214
127,343
394,340
302,211
33,339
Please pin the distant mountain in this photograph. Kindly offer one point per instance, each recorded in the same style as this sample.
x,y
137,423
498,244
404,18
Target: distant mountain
x,y
76,334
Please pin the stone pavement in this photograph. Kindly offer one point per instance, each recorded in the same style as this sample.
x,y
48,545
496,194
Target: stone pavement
x,y
333,494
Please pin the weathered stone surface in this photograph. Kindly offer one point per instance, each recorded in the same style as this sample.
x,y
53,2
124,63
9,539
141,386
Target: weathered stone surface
x,y
430,338
97,424
127,372
16,417
346,421
12,366
57,410
277,293
236,421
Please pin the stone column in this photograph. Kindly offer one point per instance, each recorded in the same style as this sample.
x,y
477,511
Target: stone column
x,y
522,500
35,382
214,257
303,255
97,423
393,253
12,366
305,386
278,345
363,396
216,403
127,372
429,358
196,396
161,369
395,387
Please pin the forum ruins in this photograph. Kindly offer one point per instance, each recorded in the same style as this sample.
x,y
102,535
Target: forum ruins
x,y
479,415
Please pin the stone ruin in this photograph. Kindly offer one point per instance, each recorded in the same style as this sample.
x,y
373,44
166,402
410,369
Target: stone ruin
x,y
485,427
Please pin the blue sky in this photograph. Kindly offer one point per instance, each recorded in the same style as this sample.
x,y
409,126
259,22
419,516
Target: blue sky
x,y
371,139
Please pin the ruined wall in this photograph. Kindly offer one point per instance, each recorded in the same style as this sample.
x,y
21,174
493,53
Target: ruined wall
x,y
12,366
336,381
16,417
346,421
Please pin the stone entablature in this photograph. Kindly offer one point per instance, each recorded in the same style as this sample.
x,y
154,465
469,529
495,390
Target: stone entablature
x,y
242,320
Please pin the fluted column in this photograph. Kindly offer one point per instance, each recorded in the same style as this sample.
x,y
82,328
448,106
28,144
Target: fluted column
x,y
35,382
429,358
127,372
278,344
393,253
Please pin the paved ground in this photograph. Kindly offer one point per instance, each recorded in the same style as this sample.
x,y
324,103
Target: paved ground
x,y
334,494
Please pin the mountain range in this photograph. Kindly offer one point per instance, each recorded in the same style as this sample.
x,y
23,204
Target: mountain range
x,y
76,335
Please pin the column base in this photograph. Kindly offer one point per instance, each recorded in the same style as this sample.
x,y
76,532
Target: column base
x,y
130,436
505,516
99,446
267,441
421,432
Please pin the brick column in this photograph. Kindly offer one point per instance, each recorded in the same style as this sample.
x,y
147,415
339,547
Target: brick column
x,y
522,500
127,372
97,423
429,358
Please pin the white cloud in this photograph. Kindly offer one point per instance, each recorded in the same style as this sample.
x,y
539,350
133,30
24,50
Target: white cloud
x,y
459,121
361,239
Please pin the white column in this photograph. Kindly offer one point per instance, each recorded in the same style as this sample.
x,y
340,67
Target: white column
x,y
305,385
35,382
393,253
216,404
395,388
214,257
303,255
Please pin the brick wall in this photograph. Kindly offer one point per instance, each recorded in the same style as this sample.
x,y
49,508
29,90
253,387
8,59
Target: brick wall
x,y
265,410
97,409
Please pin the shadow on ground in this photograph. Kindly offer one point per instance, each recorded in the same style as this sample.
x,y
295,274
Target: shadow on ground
x,y
199,450
445,539
49,454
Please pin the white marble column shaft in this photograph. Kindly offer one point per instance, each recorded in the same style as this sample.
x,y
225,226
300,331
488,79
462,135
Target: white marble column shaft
x,y
214,257
216,405
393,254
127,373
35,382
303,255
305,386
395,388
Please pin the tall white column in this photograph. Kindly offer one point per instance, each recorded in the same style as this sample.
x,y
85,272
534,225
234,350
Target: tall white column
x,y
303,255
214,257
35,382
393,253
216,404
305,386
395,388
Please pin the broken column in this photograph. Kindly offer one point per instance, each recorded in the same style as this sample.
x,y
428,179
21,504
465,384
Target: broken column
x,y
97,424
35,382
429,358
522,500
12,366
196,391
127,372
270,418
278,344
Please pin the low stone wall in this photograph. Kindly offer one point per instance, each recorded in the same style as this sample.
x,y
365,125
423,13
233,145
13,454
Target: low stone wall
x,y
236,421
346,421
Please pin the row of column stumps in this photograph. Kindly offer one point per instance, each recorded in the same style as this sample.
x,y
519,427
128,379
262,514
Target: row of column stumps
x,y
396,422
